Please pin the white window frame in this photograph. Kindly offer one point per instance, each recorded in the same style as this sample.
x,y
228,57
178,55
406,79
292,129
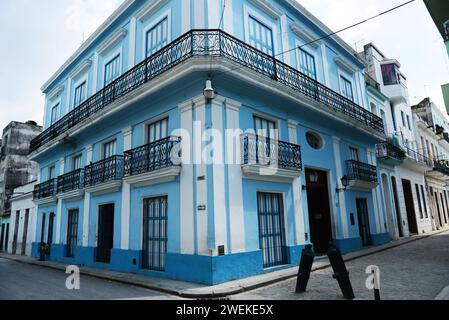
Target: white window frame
x,y
108,59
350,78
247,12
49,171
72,161
77,83
267,117
58,113
313,53
104,143
147,123
166,14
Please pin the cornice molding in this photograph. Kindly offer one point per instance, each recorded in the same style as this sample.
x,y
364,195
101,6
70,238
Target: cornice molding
x,y
345,65
84,66
304,34
113,41
56,92
146,12
268,8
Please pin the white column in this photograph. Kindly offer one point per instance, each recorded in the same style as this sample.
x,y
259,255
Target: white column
x,y
95,74
86,209
201,177
126,196
285,42
219,192
235,182
69,90
297,190
132,41
341,195
325,65
185,16
59,207
199,21
187,180
376,196
228,18
213,14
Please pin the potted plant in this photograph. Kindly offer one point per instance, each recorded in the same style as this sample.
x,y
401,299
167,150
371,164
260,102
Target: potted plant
x,y
44,251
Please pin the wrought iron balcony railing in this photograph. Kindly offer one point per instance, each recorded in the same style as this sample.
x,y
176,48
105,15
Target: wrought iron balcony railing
x,y
442,166
269,152
71,181
357,170
418,158
208,43
45,190
109,169
153,156
388,150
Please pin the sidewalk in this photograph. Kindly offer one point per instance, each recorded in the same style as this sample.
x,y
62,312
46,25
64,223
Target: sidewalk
x,y
198,291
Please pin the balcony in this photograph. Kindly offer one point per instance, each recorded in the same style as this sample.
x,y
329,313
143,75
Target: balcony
x,y
104,176
71,185
416,161
210,44
269,159
390,154
153,163
361,176
45,192
440,170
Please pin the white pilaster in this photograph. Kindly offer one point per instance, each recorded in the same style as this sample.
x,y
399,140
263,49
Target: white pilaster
x,y
86,208
199,9
132,41
95,74
59,207
228,18
68,93
376,197
126,196
285,42
297,190
325,65
187,180
341,195
213,14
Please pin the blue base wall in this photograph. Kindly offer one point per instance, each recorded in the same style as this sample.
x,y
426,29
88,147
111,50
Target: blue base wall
x,y
348,245
380,239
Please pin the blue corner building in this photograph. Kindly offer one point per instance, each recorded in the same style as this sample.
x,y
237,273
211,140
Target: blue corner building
x,y
136,169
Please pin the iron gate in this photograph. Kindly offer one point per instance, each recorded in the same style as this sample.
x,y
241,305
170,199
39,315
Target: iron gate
x,y
154,233
72,233
271,229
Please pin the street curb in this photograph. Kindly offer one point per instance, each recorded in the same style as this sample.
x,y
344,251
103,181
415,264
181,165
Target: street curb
x,y
443,295
238,288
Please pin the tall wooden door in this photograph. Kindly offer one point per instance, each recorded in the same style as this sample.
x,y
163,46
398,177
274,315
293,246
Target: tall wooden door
x,y
410,206
105,232
364,225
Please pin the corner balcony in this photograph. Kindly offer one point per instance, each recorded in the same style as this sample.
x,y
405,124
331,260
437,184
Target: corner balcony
x,y
45,192
390,154
104,176
361,176
227,52
440,170
417,162
70,185
153,163
268,159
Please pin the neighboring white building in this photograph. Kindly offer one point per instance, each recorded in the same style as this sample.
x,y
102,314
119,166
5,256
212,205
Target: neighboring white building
x,y
404,185
23,220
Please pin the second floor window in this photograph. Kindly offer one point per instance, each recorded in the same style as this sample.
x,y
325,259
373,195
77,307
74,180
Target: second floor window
x,y
403,119
157,37
408,123
346,88
80,94
109,149
112,70
77,162
264,127
354,154
307,63
51,172
261,36
54,114
157,130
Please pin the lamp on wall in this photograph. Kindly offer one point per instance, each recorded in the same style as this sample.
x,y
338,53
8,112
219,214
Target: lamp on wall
x,y
209,92
345,183
313,177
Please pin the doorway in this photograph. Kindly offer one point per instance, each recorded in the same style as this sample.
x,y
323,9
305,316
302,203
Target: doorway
x,y
397,206
25,232
16,233
364,227
410,206
155,216
319,210
388,205
105,232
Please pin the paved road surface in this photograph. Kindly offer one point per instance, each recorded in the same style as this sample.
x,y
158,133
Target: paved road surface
x,y
20,281
415,271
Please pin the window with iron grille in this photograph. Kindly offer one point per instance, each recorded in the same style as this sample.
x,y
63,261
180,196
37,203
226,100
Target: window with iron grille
x,y
157,37
112,70
260,36
80,94
307,63
346,88
157,130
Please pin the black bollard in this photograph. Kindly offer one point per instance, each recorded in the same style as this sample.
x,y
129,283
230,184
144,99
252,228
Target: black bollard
x,y
341,274
305,267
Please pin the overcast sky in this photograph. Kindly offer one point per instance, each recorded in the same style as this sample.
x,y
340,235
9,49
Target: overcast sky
x,y
38,36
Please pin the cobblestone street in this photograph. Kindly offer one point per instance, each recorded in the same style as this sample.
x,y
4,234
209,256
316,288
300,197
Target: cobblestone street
x,y
416,271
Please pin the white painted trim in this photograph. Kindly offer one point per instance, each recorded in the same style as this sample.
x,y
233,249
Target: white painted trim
x,y
263,115
113,41
229,17
86,213
304,35
127,138
213,14
69,95
247,11
147,123
346,66
125,216
76,84
166,14
95,74
185,16
285,41
58,222
313,53
55,93
327,81
267,8
132,43
150,9
199,14
82,68
109,58
341,196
